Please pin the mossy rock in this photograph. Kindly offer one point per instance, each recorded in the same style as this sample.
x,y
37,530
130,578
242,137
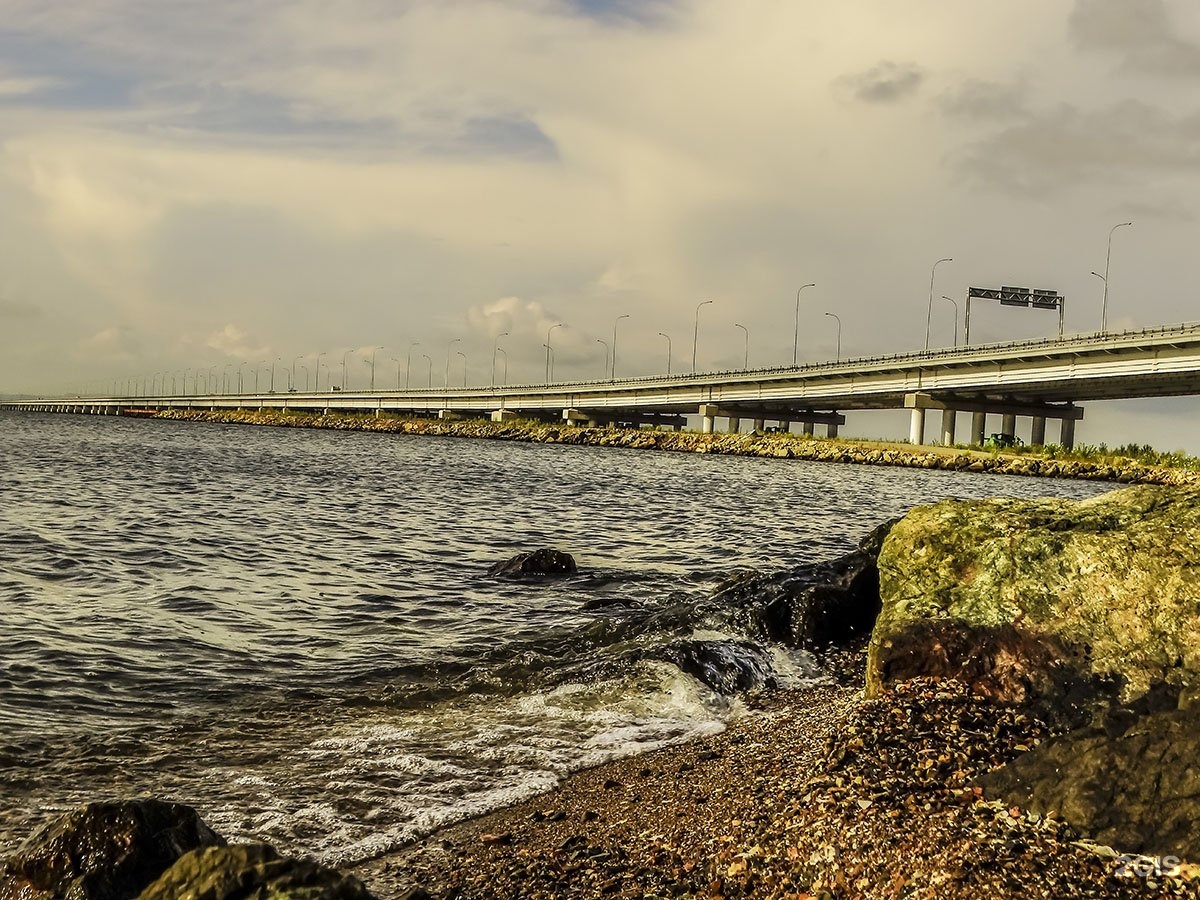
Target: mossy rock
x,y
1017,594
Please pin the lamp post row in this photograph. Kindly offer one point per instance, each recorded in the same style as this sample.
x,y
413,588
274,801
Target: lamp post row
x,y
159,379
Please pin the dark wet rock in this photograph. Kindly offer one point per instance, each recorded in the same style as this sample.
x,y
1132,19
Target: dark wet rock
x,y
728,667
544,561
1127,780
103,851
1021,595
827,604
252,870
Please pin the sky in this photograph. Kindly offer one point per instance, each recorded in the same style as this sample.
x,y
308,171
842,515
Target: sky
x,y
193,185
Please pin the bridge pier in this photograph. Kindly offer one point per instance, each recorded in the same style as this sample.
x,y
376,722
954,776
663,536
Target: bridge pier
x,y
916,426
760,426
978,428
948,423
1008,423
1067,439
503,415
1037,431
831,430
735,425
708,413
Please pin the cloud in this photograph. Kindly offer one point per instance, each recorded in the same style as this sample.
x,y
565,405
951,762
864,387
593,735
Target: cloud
x,y
1067,146
11,87
17,309
887,82
1141,32
976,99
236,344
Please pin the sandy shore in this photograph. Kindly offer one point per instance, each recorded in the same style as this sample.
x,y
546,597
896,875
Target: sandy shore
x,y
814,793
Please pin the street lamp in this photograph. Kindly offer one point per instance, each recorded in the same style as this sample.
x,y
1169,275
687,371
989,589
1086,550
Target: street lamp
x,y
408,365
548,349
605,343
241,366
306,385
495,350
293,382
796,343
668,337
1107,260
504,353
929,311
955,302
345,378
210,383
275,360
696,332
746,331
839,335
614,346
258,369
464,356
317,372
452,342
396,360
373,352
429,360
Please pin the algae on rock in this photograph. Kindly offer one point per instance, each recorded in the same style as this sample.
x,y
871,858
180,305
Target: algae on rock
x,y
1106,589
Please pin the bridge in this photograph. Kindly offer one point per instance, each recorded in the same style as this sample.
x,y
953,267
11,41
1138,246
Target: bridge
x,y
1042,379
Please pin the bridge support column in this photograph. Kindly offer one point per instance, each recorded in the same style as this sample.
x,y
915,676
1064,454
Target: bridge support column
x,y
760,426
1008,423
810,429
916,427
503,415
978,428
948,417
1068,434
831,430
708,414
735,425
1037,434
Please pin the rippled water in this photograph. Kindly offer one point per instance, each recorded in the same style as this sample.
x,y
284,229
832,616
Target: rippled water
x,y
293,631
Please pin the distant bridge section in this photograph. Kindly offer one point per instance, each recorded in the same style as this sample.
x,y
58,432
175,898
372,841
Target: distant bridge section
x,y
1044,380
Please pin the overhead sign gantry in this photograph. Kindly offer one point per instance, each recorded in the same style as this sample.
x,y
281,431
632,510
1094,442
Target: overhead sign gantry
x,y
1017,296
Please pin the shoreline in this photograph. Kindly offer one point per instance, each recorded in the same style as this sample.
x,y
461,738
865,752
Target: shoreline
x,y
815,792
1120,470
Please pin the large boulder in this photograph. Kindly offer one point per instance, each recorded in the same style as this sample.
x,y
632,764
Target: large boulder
x,y
103,851
545,561
1028,598
252,870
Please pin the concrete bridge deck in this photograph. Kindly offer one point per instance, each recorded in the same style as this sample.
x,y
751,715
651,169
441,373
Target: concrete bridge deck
x,y
1042,379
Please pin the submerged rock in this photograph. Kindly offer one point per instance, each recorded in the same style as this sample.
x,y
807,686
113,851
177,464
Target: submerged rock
x,y
1027,599
252,870
545,561
103,851
1127,781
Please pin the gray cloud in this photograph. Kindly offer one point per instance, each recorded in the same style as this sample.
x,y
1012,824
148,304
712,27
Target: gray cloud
x,y
887,82
16,309
975,99
1164,210
1141,32
1066,146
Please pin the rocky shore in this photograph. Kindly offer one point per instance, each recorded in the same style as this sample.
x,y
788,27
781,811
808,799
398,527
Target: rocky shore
x,y
1030,727
777,446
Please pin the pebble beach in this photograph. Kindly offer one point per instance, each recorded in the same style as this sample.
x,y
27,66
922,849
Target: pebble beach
x,y
812,793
